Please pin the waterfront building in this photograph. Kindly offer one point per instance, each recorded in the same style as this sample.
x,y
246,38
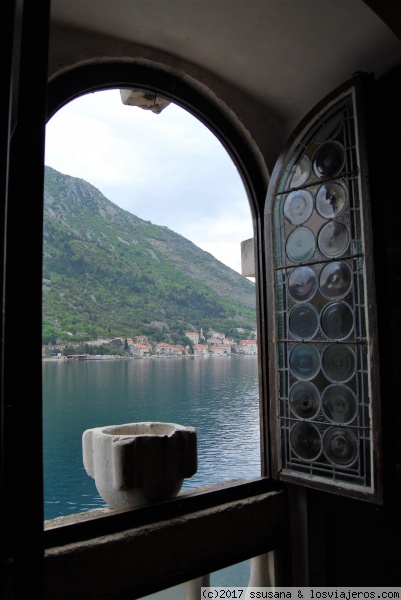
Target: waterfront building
x,y
220,350
140,350
193,336
169,350
200,350
248,347
213,341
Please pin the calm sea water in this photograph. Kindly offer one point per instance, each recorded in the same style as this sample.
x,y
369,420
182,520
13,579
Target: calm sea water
x,y
218,396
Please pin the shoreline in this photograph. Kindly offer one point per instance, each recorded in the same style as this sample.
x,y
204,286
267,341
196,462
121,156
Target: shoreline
x,y
107,357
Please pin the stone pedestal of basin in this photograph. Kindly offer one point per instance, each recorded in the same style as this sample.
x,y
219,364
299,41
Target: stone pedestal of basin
x,y
138,463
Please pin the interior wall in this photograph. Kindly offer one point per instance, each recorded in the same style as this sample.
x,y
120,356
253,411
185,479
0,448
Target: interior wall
x,y
387,213
258,123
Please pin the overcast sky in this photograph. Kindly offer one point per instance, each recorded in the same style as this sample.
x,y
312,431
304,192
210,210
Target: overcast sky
x,y
167,168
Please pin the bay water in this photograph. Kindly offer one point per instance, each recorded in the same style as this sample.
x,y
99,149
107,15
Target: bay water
x,y
216,395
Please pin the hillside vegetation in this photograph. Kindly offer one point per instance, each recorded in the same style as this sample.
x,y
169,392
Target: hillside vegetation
x,y
109,273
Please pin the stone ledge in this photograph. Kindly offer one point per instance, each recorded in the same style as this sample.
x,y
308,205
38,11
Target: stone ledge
x,y
157,555
103,512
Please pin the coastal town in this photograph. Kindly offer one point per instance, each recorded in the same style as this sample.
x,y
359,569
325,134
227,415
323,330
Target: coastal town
x,y
214,343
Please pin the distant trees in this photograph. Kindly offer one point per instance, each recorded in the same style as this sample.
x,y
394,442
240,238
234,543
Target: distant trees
x,y
91,350
106,276
116,344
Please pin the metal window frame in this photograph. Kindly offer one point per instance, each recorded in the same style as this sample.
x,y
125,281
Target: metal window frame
x,y
360,89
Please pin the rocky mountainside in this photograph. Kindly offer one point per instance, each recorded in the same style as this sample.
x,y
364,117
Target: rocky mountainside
x,y
107,272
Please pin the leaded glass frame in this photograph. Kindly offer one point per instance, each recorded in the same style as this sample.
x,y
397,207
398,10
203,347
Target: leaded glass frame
x,y
322,322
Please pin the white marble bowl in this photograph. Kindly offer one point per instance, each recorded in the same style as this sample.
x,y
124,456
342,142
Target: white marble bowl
x,y
139,463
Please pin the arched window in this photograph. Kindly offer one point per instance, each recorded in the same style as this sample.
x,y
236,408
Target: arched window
x,y
252,496
123,266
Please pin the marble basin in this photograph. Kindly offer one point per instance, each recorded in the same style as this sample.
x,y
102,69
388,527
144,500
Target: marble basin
x,y
139,463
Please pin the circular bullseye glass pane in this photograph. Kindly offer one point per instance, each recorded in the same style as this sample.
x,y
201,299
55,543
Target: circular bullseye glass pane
x,y
330,130
335,279
337,321
328,160
300,173
340,446
331,199
302,283
338,362
339,404
305,400
333,239
304,321
298,206
304,361
300,244
306,441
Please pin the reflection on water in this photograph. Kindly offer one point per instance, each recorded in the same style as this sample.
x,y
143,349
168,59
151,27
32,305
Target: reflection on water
x,y
217,396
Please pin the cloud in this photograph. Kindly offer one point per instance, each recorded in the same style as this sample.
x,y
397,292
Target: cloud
x,y
167,168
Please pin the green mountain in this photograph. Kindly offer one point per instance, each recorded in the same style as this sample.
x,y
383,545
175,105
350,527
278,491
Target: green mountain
x,y
109,273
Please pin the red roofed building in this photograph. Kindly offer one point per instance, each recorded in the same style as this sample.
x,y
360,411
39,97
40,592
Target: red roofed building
x,y
248,347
